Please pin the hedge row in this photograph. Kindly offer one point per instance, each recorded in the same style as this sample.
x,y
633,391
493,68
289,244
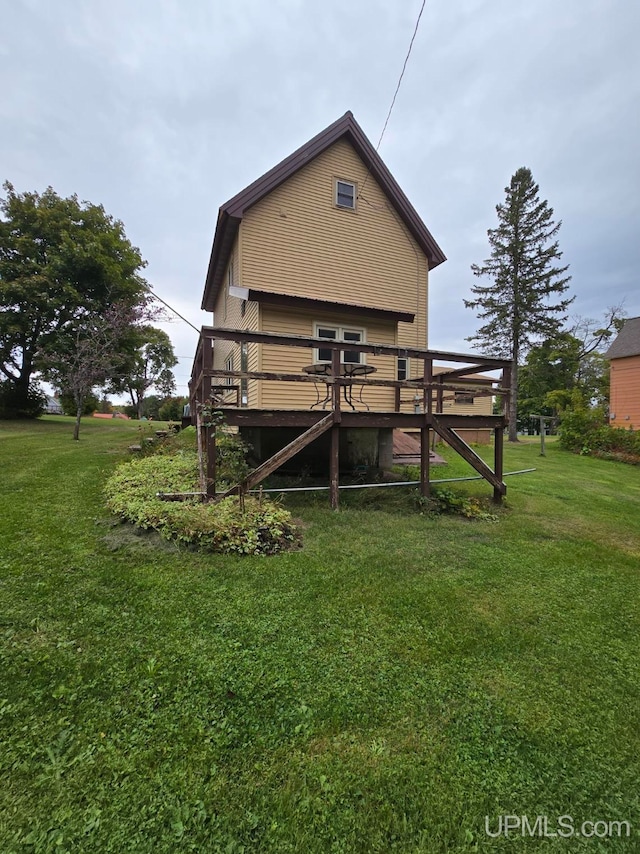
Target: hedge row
x,y
584,432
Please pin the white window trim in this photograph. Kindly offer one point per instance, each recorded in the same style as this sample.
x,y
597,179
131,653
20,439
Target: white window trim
x,y
407,368
335,194
228,286
339,330
228,366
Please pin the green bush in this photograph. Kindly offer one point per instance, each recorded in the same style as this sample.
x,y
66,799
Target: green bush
x,y
91,404
260,527
171,408
444,500
586,432
15,404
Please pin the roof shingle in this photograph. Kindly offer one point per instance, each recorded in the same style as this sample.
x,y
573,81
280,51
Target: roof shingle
x,y
627,342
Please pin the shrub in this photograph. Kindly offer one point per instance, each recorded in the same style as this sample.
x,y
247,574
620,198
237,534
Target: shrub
x,y
261,527
171,408
15,404
91,404
585,432
448,501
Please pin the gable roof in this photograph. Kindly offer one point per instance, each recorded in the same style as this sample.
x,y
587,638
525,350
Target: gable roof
x,y
627,342
231,212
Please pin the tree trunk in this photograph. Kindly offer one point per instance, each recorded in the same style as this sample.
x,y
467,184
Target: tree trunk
x,y
513,403
76,426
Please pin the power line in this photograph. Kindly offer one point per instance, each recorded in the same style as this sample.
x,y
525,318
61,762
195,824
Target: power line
x,y
404,66
171,308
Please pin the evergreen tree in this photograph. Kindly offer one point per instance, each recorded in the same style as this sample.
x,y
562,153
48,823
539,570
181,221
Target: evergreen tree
x,y
525,301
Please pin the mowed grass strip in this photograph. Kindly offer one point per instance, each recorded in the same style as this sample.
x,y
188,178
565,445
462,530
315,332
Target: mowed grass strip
x,y
384,689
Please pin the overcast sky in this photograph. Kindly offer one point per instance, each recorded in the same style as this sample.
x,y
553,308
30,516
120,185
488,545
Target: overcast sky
x,y
163,109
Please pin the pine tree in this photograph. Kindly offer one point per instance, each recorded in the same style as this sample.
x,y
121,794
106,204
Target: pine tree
x,y
524,303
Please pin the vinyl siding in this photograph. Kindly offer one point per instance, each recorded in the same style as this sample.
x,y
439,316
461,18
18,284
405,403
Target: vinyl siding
x,y
297,242
228,313
278,359
625,392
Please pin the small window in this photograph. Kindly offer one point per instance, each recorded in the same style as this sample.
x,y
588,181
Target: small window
x,y
228,366
346,195
351,357
463,397
324,355
403,369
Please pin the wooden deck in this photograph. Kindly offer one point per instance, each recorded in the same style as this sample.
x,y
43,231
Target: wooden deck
x,y
207,392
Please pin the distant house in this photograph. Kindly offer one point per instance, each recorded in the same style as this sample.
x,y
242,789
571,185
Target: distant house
x,y
53,406
624,355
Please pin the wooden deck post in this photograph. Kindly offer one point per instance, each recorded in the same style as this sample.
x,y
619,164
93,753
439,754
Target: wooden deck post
x,y
334,468
210,433
425,489
498,454
334,461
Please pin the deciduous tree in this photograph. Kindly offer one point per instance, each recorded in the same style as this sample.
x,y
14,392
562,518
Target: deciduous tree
x,y
525,302
86,353
147,366
60,260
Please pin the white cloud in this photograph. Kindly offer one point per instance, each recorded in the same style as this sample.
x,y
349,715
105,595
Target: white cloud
x,y
161,110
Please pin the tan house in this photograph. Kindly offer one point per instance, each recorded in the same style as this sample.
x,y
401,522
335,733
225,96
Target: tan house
x,y
326,247
624,353
325,244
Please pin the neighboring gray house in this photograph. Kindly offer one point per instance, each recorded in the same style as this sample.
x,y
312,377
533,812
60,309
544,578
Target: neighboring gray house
x,y
53,406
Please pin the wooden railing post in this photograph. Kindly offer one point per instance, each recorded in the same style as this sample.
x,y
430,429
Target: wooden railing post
x,y
335,376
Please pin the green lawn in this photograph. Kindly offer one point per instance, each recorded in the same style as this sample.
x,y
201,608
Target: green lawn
x,y
382,690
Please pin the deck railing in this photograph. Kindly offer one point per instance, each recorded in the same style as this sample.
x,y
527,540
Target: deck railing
x,y
430,388
458,379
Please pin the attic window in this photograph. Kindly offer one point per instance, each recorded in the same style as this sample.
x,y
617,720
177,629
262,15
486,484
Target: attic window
x,y
345,195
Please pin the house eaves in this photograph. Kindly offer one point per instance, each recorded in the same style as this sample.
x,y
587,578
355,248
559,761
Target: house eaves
x,y
231,212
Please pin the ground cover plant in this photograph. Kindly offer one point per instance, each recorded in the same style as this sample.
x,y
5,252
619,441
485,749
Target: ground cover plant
x,y
255,526
382,690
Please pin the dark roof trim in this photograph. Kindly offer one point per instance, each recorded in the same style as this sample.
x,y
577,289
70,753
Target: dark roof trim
x,y
308,304
627,342
231,213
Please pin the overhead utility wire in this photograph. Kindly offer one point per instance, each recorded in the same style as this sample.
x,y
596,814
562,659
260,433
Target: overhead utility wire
x,y
171,308
404,66
395,94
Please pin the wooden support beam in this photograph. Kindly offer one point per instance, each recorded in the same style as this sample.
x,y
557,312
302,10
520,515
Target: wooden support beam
x,y
468,454
334,468
269,466
306,418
